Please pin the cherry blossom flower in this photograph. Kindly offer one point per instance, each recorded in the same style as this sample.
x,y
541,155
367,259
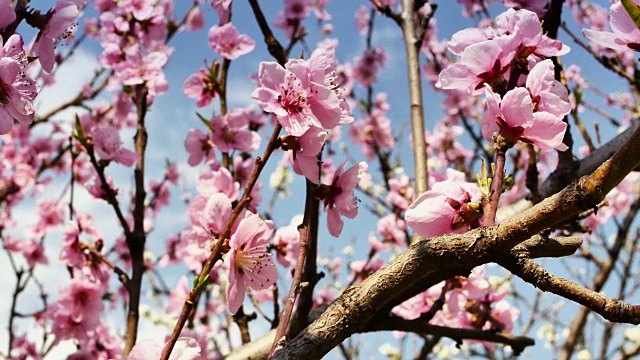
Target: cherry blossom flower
x,y
391,230
374,130
513,118
302,94
537,6
76,313
297,9
231,132
178,295
361,269
195,20
473,6
248,261
108,146
362,16
140,9
365,68
22,347
223,8
7,13
218,182
492,56
481,63
198,145
305,153
625,35
286,242
338,197
401,192
228,43
139,68
33,251
61,19
414,307
449,207
214,215
185,348
18,89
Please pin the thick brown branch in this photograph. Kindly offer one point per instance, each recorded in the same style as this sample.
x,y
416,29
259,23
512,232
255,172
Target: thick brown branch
x,y
427,262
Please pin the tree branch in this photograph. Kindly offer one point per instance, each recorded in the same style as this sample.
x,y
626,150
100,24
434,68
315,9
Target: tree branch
x,y
610,309
415,97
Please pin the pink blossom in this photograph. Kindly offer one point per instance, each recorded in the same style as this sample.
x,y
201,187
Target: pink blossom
x,y
198,145
373,131
472,6
22,348
195,19
228,43
401,192
231,132
218,182
33,251
61,19
529,40
547,93
297,9
18,89
51,214
108,146
186,348
223,8
338,196
365,68
414,307
362,20
490,57
248,261
140,9
361,269
286,242
537,6
448,207
481,63
302,94
76,313
194,247
305,153
392,230
625,35
7,13
215,214
513,118
138,68
178,295
96,188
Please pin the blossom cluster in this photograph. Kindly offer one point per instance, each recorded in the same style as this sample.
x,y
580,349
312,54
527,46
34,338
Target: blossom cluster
x,y
508,64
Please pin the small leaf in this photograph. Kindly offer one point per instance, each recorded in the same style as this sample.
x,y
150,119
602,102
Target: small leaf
x,y
205,121
633,10
79,132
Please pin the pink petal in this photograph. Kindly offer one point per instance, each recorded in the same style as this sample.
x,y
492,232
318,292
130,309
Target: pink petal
x,y
334,222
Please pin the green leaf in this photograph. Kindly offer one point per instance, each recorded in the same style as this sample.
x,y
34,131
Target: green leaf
x,y
79,133
633,10
205,121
